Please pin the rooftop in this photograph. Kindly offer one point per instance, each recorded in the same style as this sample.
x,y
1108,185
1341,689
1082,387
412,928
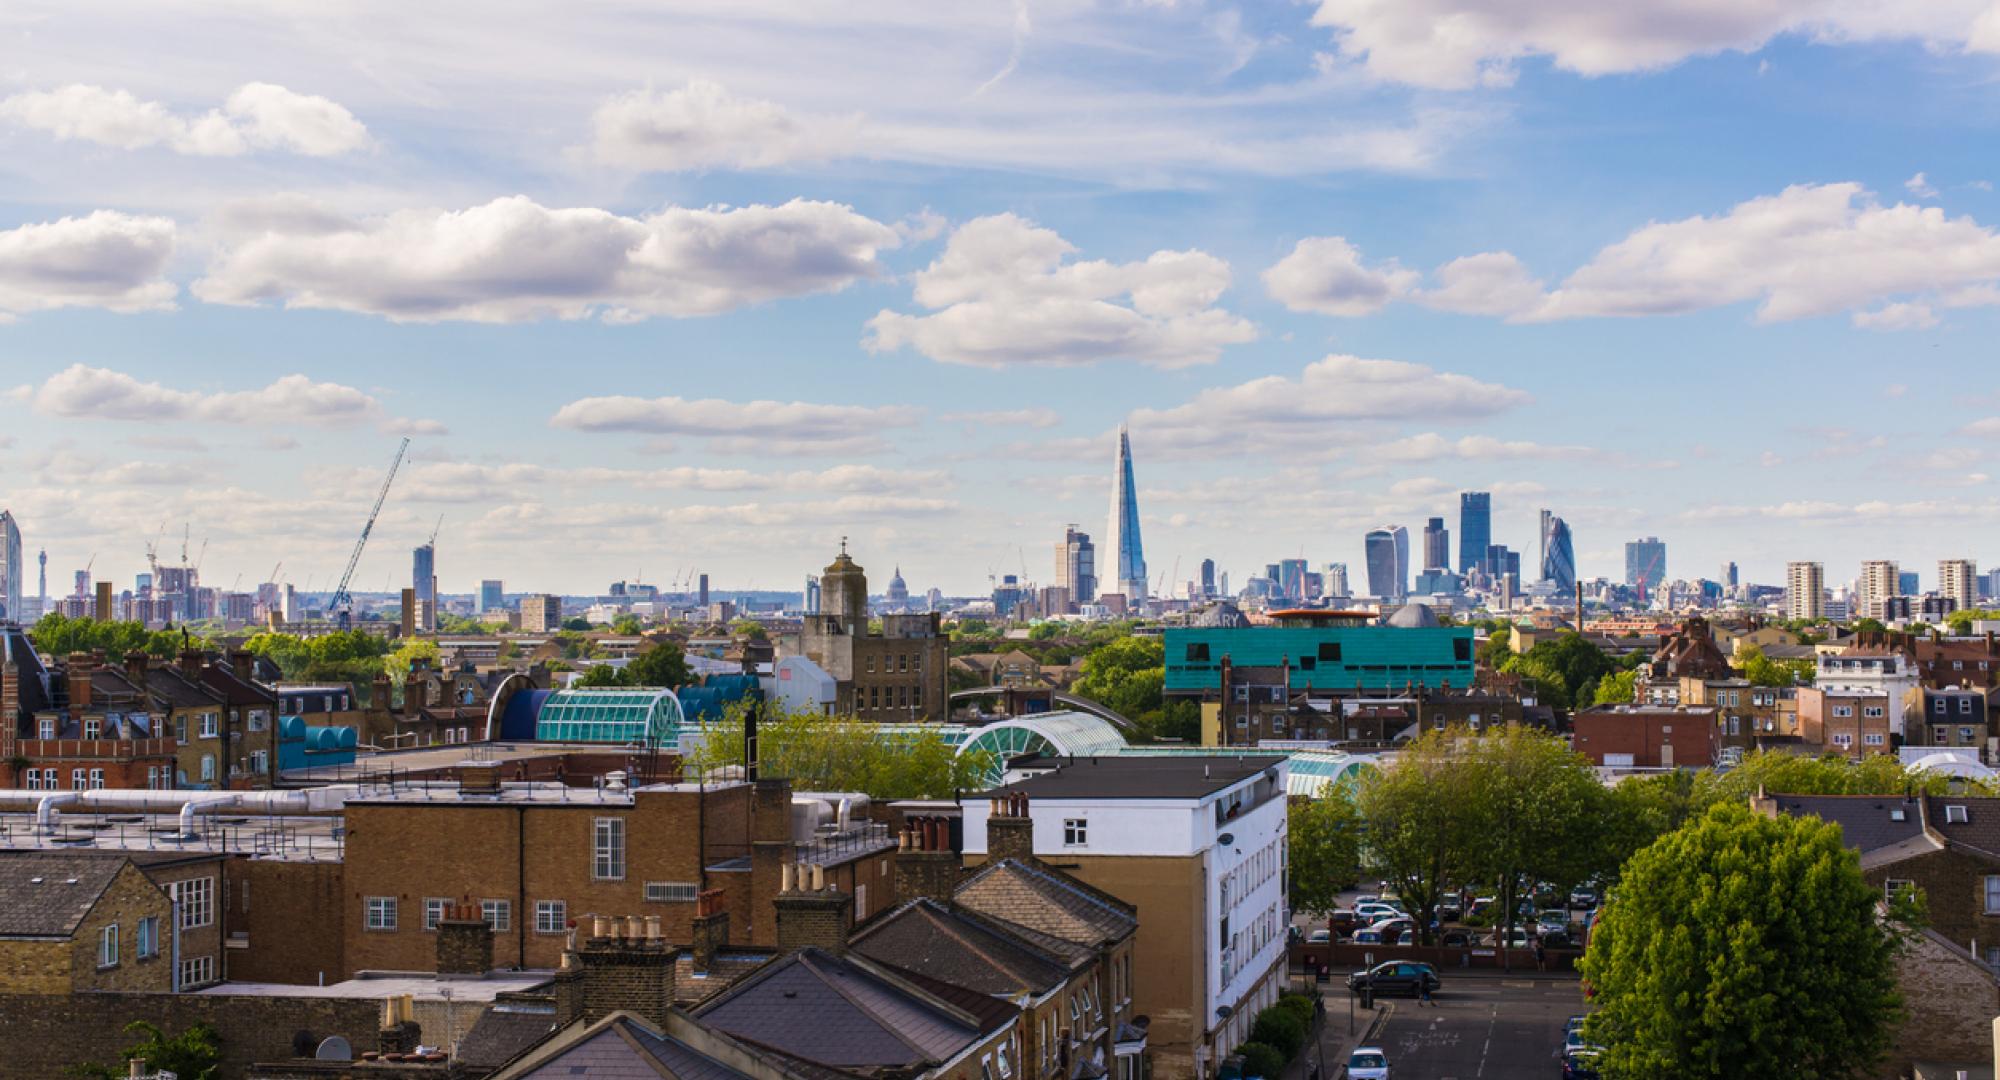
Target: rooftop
x,y
389,984
1140,777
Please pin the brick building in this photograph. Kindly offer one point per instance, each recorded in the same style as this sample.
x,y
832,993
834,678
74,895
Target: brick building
x,y
70,924
1855,723
1648,736
899,673
78,726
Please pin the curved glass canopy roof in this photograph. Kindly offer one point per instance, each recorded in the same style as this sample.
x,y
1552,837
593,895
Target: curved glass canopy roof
x,y
1059,734
624,717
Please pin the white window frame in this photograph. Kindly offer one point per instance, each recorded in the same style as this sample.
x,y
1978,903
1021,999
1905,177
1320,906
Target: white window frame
x,y
434,909
607,849
1076,832
209,725
498,914
551,916
1992,885
378,913
146,939
196,970
107,947
194,898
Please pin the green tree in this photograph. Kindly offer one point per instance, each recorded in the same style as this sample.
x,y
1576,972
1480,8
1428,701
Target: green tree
x,y
1638,811
1743,945
749,628
1536,808
577,623
1864,626
397,664
1761,670
1127,675
665,664
1325,850
59,635
628,625
1616,689
1421,839
194,1054
1776,771
600,675
826,753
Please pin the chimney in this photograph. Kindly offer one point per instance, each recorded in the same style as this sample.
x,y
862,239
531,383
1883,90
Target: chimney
x,y
464,942
191,660
78,673
1010,832
810,913
479,778
243,663
711,929
102,610
625,964
408,629
10,697
400,1032
382,696
135,668
925,864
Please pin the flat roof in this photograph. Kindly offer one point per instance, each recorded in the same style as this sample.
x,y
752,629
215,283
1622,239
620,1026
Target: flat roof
x,y
390,984
150,837
1179,776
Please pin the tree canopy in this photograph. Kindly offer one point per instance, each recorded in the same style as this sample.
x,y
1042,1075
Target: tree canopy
x,y
664,665
1743,945
1568,668
1128,674
823,753
1761,670
194,1054
397,664
349,656
58,635
1325,856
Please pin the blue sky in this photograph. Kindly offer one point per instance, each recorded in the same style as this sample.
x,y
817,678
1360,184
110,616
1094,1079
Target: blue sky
x,y
710,285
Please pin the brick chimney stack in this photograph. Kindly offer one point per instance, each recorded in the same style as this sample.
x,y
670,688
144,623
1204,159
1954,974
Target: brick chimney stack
x,y
77,672
191,661
810,912
464,942
624,963
925,864
135,668
400,1034
711,929
1010,832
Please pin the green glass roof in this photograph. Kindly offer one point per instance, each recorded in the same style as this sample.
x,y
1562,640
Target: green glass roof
x,y
623,717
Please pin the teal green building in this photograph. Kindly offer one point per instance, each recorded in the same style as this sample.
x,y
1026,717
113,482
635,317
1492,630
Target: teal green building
x,y
1327,652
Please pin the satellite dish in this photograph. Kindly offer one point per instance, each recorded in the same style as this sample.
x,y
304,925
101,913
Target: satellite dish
x,y
334,1048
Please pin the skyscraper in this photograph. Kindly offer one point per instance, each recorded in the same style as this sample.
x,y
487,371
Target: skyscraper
x,y
1880,580
1208,578
1958,581
1906,583
1805,590
1292,579
812,594
1387,548
1558,554
1729,576
12,569
1475,529
1336,580
492,596
1645,562
701,595
423,577
1437,545
1128,554
1076,565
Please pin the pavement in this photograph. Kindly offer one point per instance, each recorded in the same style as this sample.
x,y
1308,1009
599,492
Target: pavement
x,y
1483,1027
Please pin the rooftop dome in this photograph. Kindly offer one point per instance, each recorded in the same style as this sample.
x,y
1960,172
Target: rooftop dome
x,y
1412,617
1224,615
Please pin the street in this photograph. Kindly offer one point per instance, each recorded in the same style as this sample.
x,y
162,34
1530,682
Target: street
x,y
1488,1028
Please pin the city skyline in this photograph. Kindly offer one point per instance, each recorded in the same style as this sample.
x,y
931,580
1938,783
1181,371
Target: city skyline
x,y
239,264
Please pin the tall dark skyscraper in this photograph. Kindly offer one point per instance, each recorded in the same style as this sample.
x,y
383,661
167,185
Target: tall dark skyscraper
x,y
1475,529
1646,563
1437,545
1208,577
1076,566
1558,554
1387,548
1128,553
423,577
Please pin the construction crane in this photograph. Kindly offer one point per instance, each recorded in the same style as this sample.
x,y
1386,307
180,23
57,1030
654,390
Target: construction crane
x,y
342,605
153,549
434,531
273,579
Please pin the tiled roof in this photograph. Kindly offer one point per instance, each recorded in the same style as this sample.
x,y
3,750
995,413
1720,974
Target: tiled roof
x,y
959,947
1980,831
503,1031
621,1047
729,967
862,1017
1865,821
178,691
1045,902
48,894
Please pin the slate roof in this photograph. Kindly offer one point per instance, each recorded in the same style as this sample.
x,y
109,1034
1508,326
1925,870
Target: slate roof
x,y
177,691
49,894
1865,821
729,966
620,1047
1044,902
962,948
863,1017
503,1031
1980,831
1190,776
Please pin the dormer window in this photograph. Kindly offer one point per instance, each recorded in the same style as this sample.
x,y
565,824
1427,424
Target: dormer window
x,y
1954,814
1897,814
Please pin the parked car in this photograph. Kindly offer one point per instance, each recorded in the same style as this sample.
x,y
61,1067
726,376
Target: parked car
x,y
1554,939
1389,928
1517,940
1580,1064
1368,1063
1407,937
1395,977
1455,939
1320,937
1368,937
1582,899
1344,921
1482,906
1573,1035
1449,911
1377,912
1367,898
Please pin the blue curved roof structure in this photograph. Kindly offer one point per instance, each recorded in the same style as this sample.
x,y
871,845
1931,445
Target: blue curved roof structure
x,y
601,715
517,724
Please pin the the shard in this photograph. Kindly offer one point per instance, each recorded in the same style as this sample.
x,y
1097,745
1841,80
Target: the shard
x,y
1128,554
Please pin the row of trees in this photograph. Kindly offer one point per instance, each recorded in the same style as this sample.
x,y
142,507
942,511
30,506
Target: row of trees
x,y
826,753
1128,674
58,635
664,665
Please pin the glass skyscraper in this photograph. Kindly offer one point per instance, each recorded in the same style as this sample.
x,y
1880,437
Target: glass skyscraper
x,y
1128,553
1387,549
12,572
1475,529
1558,554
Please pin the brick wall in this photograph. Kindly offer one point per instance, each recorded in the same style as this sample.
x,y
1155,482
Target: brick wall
x,y
131,897
1949,1005
285,921
46,1034
820,919
205,940
1954,888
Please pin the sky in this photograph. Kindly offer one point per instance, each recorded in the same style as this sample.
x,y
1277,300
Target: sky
x,y
666,287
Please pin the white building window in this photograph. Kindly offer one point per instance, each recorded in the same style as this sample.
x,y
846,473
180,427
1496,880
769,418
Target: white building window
x,y
197,970
434,909
97,779
208,725
79,779
608,862
195,898
48,727
1872,739
380,913
1076,832
107,946
499,914
1993,895
551,916
146,943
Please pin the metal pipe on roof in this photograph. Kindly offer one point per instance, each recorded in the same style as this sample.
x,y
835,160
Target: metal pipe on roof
x,y
45,810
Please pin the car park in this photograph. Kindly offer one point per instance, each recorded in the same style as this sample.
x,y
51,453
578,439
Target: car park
x,y
1389,928
1395,977
1368,1063
1344,921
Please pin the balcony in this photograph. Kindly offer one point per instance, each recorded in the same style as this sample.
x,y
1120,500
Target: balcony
x,y
44,751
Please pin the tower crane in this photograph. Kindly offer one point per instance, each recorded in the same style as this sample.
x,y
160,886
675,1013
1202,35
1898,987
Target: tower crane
x,y
435,530
342,605
273,579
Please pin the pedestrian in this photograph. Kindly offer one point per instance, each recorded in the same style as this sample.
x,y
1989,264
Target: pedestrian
x,y
1541,956
1424,994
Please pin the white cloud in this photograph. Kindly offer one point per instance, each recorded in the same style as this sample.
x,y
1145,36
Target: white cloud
x,y
1431,446
90,393
838,478
1314,410
755,422
1897,316
1324,274
1920,187
1490,283
512,260
1004,295
1005,418
258,116
105,259
1463,43
1808,250
1987,428
700,126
